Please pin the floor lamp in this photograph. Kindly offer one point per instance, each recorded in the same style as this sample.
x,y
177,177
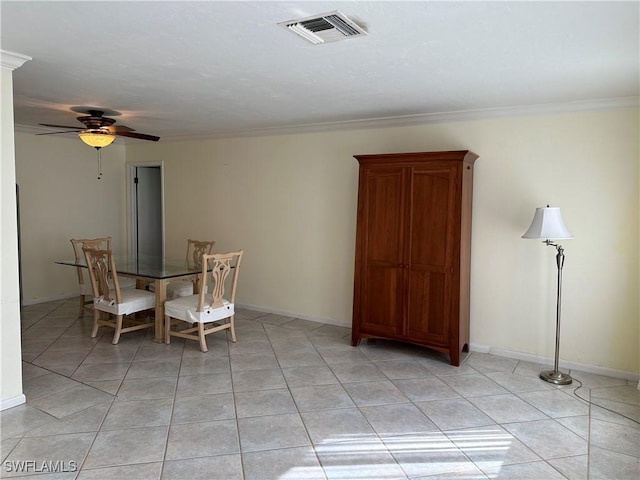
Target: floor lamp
x,y
547,225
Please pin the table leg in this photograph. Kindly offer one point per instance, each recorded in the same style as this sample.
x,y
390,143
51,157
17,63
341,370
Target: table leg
x,y
161,296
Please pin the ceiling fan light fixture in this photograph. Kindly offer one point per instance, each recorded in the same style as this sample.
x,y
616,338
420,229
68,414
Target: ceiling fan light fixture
x,y
96,138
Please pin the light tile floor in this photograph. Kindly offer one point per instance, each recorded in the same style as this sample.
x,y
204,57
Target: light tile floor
x,y
292,399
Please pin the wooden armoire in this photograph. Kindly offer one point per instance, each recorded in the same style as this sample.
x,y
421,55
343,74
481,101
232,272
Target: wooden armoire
x,y
413,249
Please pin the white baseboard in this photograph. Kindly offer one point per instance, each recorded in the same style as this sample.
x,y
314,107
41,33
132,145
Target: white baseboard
x,y
609,372
329,321
582,367
63,296
479,348
12,402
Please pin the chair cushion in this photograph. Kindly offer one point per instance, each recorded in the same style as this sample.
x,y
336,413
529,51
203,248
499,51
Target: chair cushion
x,y
132,301
179,288
124,282
184,308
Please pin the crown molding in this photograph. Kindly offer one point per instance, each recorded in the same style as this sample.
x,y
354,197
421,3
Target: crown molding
x,y
426,118
12,60
73,136
419,119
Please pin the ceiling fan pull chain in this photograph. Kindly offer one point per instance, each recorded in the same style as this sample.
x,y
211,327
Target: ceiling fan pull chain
x,y
99,163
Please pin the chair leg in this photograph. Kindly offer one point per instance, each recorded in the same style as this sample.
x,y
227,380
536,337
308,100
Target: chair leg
x,y
232,328
167,329
116,335
203,338
94,330
81,311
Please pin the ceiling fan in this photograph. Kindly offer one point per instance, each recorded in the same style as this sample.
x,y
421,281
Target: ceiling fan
x,y
99,131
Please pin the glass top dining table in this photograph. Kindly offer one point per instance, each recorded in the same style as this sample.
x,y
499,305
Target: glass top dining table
x,y
145,268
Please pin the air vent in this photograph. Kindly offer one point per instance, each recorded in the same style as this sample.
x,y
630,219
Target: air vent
x,y
326,27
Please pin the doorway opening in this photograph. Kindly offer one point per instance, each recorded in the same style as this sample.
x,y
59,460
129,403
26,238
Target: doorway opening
x,y
146,209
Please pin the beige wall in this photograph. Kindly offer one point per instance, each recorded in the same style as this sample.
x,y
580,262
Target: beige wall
x,y
61,198
290,202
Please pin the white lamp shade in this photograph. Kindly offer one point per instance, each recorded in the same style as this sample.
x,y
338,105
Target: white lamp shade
x,y
547,224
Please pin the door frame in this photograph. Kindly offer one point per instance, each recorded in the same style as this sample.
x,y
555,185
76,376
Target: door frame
x,y
131,206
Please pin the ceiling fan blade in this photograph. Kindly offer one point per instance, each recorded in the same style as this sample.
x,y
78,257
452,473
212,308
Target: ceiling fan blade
x,y
60,126
141,136
118,129
55,133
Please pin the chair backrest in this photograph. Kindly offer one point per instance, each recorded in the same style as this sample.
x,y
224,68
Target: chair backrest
x,y
195,250
215,271
102,267
103,243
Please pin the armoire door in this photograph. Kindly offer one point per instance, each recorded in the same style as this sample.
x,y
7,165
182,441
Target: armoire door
x,y
381,234
432,213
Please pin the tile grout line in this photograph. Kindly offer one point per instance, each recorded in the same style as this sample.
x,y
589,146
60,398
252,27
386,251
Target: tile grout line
x,y
173,404
235,406
113,401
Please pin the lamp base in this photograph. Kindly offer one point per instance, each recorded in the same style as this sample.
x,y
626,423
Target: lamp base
x,y
557,378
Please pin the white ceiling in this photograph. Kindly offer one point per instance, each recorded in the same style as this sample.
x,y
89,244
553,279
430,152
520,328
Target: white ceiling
x,y
177,69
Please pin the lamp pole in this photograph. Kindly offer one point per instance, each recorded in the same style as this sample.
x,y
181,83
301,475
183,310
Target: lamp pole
x,y
556,376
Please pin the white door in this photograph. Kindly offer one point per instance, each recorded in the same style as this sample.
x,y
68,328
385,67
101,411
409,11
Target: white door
x,y
146,210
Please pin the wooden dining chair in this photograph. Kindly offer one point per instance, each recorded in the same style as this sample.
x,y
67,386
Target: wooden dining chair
x,y
86,293
109,298
186,287
209,309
